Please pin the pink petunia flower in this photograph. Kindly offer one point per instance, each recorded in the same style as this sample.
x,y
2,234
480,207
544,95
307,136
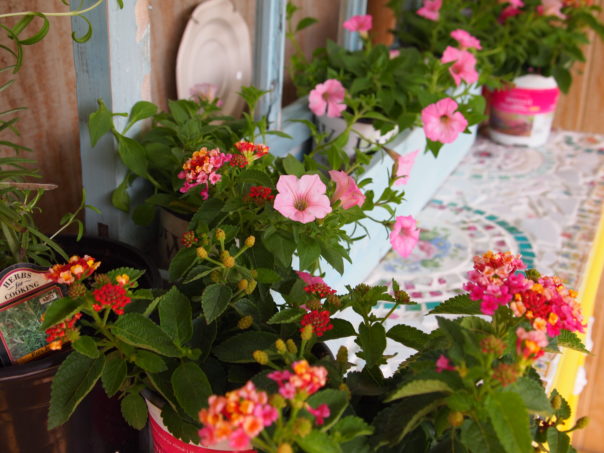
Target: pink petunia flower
x,y
513,3
404,235
302,199
464,65
404,164
551,8
443,363
359,23
430,10
310,279
441,121
509,11
465,39
327,99
347,190
206,92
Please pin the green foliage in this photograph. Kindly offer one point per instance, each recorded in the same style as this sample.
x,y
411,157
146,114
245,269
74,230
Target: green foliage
x,y
134,410
138,331
191,388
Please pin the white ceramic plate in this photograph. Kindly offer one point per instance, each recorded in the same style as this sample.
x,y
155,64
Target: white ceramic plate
x,y
215,54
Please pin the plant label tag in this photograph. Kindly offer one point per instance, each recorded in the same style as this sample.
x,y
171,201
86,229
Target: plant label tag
x,y
24,296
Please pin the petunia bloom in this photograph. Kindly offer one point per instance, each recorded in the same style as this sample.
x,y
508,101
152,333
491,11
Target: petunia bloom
x,y
404,164
507,12
359,23
404,235
551,8
430,10
465,39
464,65
347,190
327,99
442,122
303,199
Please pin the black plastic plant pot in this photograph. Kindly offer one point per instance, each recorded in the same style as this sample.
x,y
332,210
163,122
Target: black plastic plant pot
x,y
97,425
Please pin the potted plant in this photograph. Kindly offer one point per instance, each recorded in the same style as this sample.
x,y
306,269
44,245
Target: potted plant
x,y
529,47
393,90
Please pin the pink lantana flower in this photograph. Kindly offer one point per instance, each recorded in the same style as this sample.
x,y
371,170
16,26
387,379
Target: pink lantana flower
x,y
320,413
393,53
509,11
443,364
359,23
303,199
327,99
431,9
465,39
464,65
513,3
404,235
530,344
347,190
404,164
442,122
551,8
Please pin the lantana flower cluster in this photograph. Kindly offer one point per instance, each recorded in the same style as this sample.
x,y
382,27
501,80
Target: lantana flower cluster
x,y
247,152
202,169
76,269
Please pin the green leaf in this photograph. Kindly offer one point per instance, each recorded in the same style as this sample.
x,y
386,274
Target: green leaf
x,y
372,340
60,310
510,421
480,437
350,427
239,348
120,197
318,442
75,378
140,111
255,177
182,261
207,212
341,329
149,361
286,315
558,442
564,412
86,345
533,395
458,305
136,330
175,316
134,410
114,373
281,247
133,155
306,22
309,251
144,214
408,336
570,340
420,387
293,166
191,388
187,432
215,300
267,276
333,256
99,123
336,400
563,78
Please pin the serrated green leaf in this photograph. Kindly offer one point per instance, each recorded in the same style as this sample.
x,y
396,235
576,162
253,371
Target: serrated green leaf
x,y
372,340
309,251
281,247
510,420
60,310
267,276
149,361
136,330
287,315
458,305
419,387
480,437
191,388
557,441
255,177
350,427
86,345
134,410
182,261
408,336
533,395
239,348
175,316
215,300
318,442
114,373
570,340
187,432
132,273
74,379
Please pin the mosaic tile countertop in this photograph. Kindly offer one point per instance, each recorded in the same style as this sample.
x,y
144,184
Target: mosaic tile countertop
x,y
544,203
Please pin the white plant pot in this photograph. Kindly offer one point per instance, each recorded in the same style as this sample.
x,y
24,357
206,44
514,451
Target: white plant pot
x,y
164,442
335,126
524,114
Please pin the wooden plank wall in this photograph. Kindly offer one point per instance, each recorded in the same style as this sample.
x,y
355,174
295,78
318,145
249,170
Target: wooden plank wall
x,y
583,108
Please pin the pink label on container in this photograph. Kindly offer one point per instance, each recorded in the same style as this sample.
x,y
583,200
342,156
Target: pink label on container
x,y
164,442
525,101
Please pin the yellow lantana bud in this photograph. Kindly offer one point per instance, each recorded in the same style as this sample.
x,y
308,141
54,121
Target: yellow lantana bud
x,y
280,346
254,273
342,355
202,253
242,285
285,448
277,401
229,262
245,322
582,423
455,418
261,357
291,346
251,286
302,427
556,402
250,241
215,276
220,235
307,332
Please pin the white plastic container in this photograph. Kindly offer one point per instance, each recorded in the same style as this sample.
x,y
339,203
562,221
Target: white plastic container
x,y
523,115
